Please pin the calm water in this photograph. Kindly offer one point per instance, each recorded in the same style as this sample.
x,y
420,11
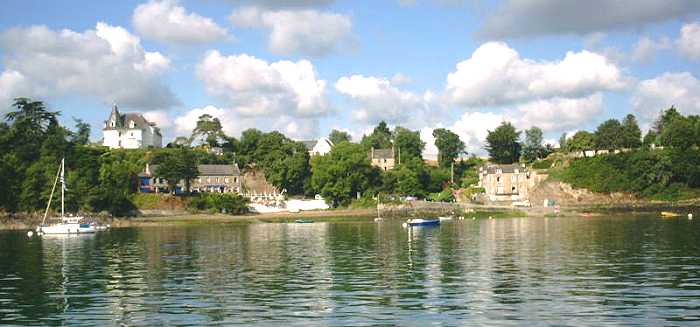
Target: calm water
x,y
527,271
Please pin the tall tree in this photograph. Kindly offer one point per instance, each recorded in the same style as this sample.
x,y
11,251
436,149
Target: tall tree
x,y
337,136
609,135
346,170
502,144
582,141
449,146
176,166
533,148
631,134
82,132
407,143
665,117
562,142
379,139
208,130
679,132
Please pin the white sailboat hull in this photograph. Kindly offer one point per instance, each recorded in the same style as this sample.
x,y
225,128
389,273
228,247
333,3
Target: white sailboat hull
x,y
68,229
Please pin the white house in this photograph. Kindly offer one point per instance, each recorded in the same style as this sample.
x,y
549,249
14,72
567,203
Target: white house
x,y
130,131
318,147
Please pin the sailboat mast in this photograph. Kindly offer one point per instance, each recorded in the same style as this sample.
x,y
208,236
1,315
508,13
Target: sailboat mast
x,y
63,184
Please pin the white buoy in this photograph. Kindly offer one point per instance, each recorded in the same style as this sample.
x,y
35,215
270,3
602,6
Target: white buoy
x,y
690,216
490,217
30,234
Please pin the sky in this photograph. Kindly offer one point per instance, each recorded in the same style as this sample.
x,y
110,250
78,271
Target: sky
x,y
305,67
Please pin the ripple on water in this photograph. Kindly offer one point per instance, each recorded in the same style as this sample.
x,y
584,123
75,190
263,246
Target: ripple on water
x,y
627,271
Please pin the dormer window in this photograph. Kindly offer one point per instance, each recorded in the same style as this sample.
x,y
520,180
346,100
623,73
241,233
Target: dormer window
x,y
131,124
112,123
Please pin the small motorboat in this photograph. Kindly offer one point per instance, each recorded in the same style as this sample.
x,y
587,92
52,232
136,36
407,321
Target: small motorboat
x,y
303,221
419,222
445,218
669,214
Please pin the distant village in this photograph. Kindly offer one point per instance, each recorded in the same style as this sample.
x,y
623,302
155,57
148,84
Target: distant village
x,y
133,131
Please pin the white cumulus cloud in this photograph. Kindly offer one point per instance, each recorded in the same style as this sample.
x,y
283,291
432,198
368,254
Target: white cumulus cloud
x,y
167,21
255,87
557,114
376,99
302,31
12,84
233,123
681,90
689,41
496,75
646,48
108,63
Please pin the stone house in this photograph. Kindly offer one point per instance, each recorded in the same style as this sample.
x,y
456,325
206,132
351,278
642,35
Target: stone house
x,y
383,158
211,178
130,131
507,182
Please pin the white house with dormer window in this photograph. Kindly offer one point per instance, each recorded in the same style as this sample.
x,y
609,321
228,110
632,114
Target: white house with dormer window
x,y
130,131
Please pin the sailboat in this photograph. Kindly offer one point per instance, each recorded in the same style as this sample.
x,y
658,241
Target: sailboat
x,y
68,224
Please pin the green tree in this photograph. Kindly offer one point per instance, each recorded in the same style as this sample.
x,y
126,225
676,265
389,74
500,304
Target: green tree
x,y
82,132
502,144
679,132
449,146
533,148
650,138
208,130
337,136
665,117
176,166
379,139
631,134
582,141
346,170
408,144
609,135
562,142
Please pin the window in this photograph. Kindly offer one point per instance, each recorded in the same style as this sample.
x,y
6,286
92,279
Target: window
x,y
131,124
235,179
498,179
512,189
208,179
226,180
217,179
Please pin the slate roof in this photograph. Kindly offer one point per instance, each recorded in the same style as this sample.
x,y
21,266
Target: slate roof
x,y
123,120
505,169
204,170
383,153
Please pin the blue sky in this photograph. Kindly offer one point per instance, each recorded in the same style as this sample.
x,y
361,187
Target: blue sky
x,y
305,67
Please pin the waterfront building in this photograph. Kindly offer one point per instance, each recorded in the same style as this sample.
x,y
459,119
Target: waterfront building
x,y
319,147
130,131
383,158
211,178
507,182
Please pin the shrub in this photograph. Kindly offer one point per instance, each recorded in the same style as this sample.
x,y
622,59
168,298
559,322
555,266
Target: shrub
x,y
229,203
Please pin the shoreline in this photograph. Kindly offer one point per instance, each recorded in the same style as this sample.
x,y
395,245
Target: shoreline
x,y
366,214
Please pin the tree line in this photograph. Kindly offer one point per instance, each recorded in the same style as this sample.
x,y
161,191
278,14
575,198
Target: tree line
x,y
32,143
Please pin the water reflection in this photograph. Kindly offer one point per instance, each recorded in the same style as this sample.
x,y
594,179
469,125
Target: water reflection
x,y
603,270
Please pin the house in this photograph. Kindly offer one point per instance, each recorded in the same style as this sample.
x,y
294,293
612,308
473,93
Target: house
x,y
211,178
318,147
507,182
130,131
383,158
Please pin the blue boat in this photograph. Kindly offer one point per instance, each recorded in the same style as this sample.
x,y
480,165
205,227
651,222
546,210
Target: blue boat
x,y
421,222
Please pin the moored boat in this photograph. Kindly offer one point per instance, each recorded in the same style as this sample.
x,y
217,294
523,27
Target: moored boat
x,y
65,224
420,222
